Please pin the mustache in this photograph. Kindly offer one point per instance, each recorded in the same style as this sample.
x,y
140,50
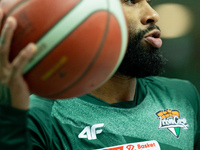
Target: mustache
x,y
140,34
150,28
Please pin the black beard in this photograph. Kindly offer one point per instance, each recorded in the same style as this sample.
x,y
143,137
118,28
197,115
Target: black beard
x,y
141,60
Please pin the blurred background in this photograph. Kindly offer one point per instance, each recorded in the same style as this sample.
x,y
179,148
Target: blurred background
x,y
180,26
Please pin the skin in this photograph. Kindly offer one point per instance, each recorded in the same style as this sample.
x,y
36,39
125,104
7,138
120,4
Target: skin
x,y
11,73
139,15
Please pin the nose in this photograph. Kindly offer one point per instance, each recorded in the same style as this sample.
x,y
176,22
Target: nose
x,y
150,16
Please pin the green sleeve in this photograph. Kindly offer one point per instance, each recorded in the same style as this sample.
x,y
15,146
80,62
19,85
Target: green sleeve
x,y
15,132
21,130
194,99
196,105
13,129
13,124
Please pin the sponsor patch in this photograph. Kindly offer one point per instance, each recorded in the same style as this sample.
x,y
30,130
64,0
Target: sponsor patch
x,y
148,145
171,120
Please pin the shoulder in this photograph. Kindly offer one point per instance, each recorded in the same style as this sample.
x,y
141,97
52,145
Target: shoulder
x,y
40,104
171,84
40,110
168,82
173,87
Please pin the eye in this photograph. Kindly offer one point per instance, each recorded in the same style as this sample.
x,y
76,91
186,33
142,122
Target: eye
x,y
134,1
130,1
149,1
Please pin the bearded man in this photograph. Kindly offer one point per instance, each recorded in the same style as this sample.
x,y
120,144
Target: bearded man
x,y
135,109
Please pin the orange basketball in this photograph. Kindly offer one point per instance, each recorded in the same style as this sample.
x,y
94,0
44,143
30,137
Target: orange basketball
x,y
80,43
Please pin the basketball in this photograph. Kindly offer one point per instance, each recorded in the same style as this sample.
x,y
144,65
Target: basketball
x,y
80,43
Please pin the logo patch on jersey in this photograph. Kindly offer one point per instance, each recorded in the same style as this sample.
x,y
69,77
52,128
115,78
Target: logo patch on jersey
x,y
171,120
91,132
148,145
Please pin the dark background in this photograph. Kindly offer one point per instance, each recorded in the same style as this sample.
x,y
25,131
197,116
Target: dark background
x,y
183,53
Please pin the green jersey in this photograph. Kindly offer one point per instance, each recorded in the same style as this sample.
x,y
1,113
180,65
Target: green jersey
x,y
164,114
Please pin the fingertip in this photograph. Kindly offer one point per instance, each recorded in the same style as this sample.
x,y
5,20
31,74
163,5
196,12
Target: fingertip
x,y
12,21
31,47
1,13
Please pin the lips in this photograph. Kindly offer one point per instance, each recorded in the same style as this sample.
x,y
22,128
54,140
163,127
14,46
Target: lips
x,y
153,38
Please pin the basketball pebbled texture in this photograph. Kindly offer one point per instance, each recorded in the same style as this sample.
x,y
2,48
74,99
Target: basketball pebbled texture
x,y
80,43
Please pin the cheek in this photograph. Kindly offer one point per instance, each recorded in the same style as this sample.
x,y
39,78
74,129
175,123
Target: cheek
x,y
132,26
133,22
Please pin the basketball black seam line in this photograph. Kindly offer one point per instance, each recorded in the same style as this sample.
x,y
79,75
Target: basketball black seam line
x,y
48,31
92,62
18,5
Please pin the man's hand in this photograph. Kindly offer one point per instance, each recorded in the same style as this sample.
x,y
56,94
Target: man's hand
x,y
11,72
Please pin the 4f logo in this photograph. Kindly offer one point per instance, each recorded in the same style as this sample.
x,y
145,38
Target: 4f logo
x,y
91,132
171,120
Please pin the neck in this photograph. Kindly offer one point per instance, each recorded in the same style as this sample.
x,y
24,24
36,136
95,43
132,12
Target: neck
x,y
117,89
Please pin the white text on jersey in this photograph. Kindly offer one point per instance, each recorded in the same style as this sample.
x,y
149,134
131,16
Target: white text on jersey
x,y
91,132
